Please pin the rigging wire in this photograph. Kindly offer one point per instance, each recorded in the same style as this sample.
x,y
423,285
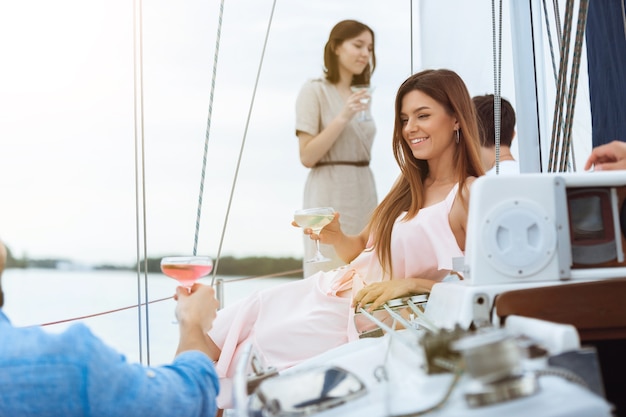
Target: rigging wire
x,y
557,121
533,36
549,33
140,205
228,281
563,118
208,128
411,30
573,87
497,78
243,142
557,19
102,313
140,175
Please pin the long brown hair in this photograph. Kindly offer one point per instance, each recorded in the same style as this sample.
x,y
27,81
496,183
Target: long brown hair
x,y
407,194
342,31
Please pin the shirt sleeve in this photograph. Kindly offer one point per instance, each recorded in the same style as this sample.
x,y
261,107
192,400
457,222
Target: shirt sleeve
x,y
308,108
186,387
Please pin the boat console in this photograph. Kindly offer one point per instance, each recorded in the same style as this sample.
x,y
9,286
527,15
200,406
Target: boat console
x,y
534,230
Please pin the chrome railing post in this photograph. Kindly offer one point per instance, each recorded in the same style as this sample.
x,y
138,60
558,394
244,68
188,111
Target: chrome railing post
x,y
219,291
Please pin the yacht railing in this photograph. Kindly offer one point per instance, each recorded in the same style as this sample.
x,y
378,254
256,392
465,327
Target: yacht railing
x,y
220,282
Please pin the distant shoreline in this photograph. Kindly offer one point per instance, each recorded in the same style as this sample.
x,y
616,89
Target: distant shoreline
x,y
227,266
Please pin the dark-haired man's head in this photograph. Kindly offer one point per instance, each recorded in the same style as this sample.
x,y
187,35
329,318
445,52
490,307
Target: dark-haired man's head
x,y
486,122
485,112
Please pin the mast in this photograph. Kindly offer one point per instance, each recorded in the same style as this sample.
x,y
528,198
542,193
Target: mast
x,y
530,105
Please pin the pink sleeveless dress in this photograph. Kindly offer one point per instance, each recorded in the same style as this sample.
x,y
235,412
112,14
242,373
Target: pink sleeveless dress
x,y
292,322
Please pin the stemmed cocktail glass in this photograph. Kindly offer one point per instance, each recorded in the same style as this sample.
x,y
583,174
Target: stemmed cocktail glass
x,y
363,115
186,269
315,218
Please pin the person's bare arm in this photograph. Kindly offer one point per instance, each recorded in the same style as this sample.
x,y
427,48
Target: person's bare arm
x,y
313,148
459,212
347,247
195,312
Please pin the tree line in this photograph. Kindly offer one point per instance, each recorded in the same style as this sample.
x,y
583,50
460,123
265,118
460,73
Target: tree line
x,y
227,265
249,266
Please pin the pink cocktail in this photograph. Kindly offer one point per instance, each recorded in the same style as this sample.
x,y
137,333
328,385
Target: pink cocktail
x,y
186,269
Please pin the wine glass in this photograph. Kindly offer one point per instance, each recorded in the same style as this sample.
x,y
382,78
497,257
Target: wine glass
x,y
186,269
315,218
363,115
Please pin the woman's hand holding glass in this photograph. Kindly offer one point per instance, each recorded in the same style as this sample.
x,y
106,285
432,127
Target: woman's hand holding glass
x,y
364,92
356,105
313,221
328,235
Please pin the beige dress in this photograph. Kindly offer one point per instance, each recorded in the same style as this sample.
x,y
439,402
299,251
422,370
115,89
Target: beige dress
x,y
349,189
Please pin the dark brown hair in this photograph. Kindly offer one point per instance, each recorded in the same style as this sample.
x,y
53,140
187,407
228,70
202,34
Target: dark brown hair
x,y
486,120
407,194
344,30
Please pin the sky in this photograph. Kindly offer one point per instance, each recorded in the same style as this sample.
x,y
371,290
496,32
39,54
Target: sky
x,y
68,160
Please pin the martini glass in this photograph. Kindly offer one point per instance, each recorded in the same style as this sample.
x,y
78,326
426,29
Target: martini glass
x,y
363,115
315,218
186,269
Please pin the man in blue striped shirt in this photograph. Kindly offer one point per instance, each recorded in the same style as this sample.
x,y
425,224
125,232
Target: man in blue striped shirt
x,y
75,374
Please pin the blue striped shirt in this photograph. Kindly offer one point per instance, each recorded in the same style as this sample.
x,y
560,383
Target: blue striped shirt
x,y
74,373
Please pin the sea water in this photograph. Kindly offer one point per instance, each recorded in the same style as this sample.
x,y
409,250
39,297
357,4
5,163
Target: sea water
x,y
43,296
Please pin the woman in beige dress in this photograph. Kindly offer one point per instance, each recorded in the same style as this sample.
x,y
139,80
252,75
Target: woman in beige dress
x,y
334,143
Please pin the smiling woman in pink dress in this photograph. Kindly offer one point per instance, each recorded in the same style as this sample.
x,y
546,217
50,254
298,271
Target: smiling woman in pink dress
x,y
407,247
333,142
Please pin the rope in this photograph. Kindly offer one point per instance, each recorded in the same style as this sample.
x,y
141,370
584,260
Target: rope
x,y
243,141
277,274
573,87
557,19
563,373
563,118
558,108
458,372
208,128
497,78
103,313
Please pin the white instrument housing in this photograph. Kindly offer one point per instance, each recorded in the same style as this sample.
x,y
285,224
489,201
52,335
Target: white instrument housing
x,y
545,227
